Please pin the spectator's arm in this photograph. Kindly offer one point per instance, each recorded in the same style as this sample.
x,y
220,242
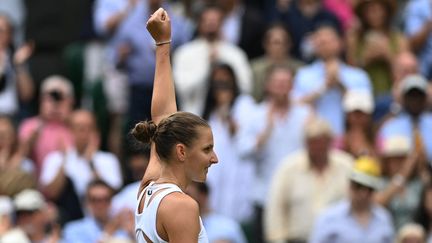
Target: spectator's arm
x,y
418,40
53,178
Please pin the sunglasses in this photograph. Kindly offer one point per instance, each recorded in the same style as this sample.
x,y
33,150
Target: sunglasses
x,y
93,199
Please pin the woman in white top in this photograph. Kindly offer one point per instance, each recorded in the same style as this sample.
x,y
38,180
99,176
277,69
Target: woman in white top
x,y
181,152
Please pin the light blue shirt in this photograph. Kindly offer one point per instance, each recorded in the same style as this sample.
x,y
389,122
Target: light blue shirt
x,y
311,78
286,137
86,230
222,228
402,125
337,225
417,13
140,63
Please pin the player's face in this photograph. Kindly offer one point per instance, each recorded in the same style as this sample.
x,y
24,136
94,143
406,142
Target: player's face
x,y
201,155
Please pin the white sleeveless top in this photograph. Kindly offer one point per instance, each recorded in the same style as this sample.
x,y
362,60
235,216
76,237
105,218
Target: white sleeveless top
x,y
145,222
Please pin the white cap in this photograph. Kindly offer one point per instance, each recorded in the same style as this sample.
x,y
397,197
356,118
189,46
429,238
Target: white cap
x,y
29,200
58,83
396,146
358,100
414,81
6,206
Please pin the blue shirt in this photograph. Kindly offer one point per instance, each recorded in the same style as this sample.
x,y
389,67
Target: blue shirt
x,y
417,14
337,225
222,228
140,63
402,125
311,78
86,230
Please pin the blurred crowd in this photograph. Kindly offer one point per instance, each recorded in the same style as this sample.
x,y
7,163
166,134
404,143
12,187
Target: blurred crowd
x,y
321,112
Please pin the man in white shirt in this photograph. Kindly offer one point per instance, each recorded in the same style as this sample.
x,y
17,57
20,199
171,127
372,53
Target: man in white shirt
x,y
80,164
192,61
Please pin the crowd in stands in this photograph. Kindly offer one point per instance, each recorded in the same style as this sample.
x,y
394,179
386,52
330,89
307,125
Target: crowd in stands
x,y
321,112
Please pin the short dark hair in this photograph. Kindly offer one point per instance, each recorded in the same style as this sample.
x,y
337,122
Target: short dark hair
x,y
99,182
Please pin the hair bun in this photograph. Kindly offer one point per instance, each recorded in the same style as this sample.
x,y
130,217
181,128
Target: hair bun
x,y
144,131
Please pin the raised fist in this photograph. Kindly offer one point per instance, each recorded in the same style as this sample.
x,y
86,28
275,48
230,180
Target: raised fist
x,y
159,26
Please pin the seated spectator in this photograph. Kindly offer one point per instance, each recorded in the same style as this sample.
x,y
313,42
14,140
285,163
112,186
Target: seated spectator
x,y
411,233
33,217
193,60
219,228
277,44
98,226
67,172
323,83
304,184
8,232
16,171
48,131
357,219
401,188
359,137
374,44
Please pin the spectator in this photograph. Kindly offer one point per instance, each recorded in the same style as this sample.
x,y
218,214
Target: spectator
x,y
219,228
8,231
374,44
241,25
16,171
133,50
48,131
402,187
323,83
413,122
98,226
277,44
16,85
357,219
226,110
301,17
359,137
274,130
68,171
418,28
306,182
33,217
411,233
404,64
192,61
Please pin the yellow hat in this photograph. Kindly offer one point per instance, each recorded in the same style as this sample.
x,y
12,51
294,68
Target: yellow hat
x,y
366,172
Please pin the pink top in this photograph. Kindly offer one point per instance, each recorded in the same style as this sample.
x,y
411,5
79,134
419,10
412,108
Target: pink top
x,y
51,137
343,11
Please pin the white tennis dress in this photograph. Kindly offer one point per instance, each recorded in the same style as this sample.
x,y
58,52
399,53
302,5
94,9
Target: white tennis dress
x,y
145,222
